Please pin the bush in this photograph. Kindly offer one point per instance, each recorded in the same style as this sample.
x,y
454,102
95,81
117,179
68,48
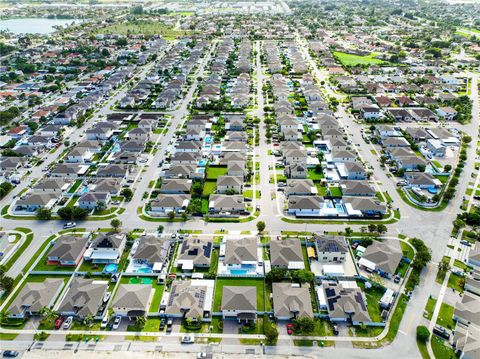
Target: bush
x,y
423,334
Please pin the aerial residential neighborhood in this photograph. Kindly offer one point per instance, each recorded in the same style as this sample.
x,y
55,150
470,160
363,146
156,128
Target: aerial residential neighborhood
x,y
216,179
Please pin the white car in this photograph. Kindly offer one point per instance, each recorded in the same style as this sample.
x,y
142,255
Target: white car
x,y
69,225
104,322
188,339
67,323
116,323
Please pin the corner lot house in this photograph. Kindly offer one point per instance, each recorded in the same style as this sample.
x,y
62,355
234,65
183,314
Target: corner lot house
x,y
382,258
84,297
189,299
132,300
291,301
33,297
67,250
240,303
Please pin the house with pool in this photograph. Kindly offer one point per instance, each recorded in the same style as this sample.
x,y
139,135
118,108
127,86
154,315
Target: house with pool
x,y
150,254
106,248
240,257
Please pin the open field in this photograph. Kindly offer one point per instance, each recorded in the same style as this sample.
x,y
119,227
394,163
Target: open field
x,y
354,60
143,27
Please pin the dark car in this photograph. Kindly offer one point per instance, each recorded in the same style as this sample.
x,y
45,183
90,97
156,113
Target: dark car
x,y
10,354
169,325
162,324
441,332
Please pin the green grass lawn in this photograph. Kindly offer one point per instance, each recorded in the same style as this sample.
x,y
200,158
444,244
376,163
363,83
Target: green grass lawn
x,y
143,27
354,60
440,350
335,191
373,297
322,190
157,297
208,188
213,172
402,269
220,283
407,250
445,316
456,282
429,307
314,175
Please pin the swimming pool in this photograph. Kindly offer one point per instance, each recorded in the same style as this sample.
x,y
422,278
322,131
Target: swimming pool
x,y
340,208
202,163
238,271
110,268
208,139
143,270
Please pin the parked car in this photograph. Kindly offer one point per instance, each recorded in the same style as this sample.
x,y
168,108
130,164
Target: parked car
x,y
116,322
188,339
10,354
58,322
169,325
68,323
104,322
289,328
69,225
441,332
335,330
162,324
396,279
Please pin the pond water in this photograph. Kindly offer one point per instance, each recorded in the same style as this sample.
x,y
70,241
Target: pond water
x,y
34,26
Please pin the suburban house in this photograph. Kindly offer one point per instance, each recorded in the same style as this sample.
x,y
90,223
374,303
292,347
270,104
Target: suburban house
x,y
34,296
67,250
194,253
166,203
33,201
84,297
290,301
151,251
382,257
330,248
467,311
94,200
189,299
222,204
106,248
229,184
240,303
132,300
345,303
286,254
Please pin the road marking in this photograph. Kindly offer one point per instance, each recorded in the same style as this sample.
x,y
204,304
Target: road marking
x,y
401,331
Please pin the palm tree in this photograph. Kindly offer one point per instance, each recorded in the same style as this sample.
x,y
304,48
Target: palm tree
x,y
88,320
48,315
140,321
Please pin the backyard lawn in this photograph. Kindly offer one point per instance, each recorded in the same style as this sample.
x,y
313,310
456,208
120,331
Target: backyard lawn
x,y
335,191
220,283
440,350
354,60
213,172
314,175
209,188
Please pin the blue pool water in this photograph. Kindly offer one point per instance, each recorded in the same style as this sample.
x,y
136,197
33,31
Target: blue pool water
x,y
84,190
340,208
207,147
432,190
202,163
144,270
238,271
208,139
201,170
110,268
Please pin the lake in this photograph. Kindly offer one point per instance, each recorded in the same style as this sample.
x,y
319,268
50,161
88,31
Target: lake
x,y
34,26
